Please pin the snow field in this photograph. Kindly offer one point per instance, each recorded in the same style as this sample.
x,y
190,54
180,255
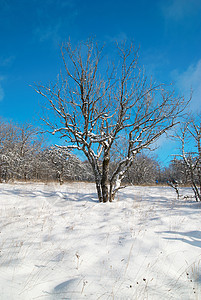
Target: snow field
x,y
58,242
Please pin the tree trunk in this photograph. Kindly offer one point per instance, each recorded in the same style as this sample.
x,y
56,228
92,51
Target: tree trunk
x,y
112,192
194,186
114,187
196,192
104,179
97,176
115,182
1,174
99,192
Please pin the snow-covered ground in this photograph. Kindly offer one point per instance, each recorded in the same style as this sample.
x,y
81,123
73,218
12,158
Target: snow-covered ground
x,y
58,242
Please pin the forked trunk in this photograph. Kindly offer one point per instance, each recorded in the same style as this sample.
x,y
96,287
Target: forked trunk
x,y
104,179
99,192
112,193
104,191
115,186
196,192
97,176
0,175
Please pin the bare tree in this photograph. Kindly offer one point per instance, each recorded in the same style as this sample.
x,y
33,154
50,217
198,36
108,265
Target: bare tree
x,y
144,170
95,106
28,145
61,164
8,152
178,171
23,156
3,157
19,146
190,138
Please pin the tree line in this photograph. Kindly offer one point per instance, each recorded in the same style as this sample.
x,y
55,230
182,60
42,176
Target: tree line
x,y
25,156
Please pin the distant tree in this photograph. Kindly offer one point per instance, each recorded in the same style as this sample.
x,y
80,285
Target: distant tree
x,y
8,153
3,149
29,144
19,146
60,164
55,162
190,138
144,170
93,107
178,171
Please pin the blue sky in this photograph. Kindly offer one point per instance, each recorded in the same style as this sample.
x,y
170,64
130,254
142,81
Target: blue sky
x,y
167,31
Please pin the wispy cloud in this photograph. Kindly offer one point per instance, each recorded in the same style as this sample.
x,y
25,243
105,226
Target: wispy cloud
x,y
7,61
2,94
120,37
5,5
190,79
50,32
178,9
57,23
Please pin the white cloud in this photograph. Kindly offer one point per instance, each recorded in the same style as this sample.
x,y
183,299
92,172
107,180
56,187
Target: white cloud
x,y
54,25
5,5
190,79
47,33
7,61
179,9
2,94
120,37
